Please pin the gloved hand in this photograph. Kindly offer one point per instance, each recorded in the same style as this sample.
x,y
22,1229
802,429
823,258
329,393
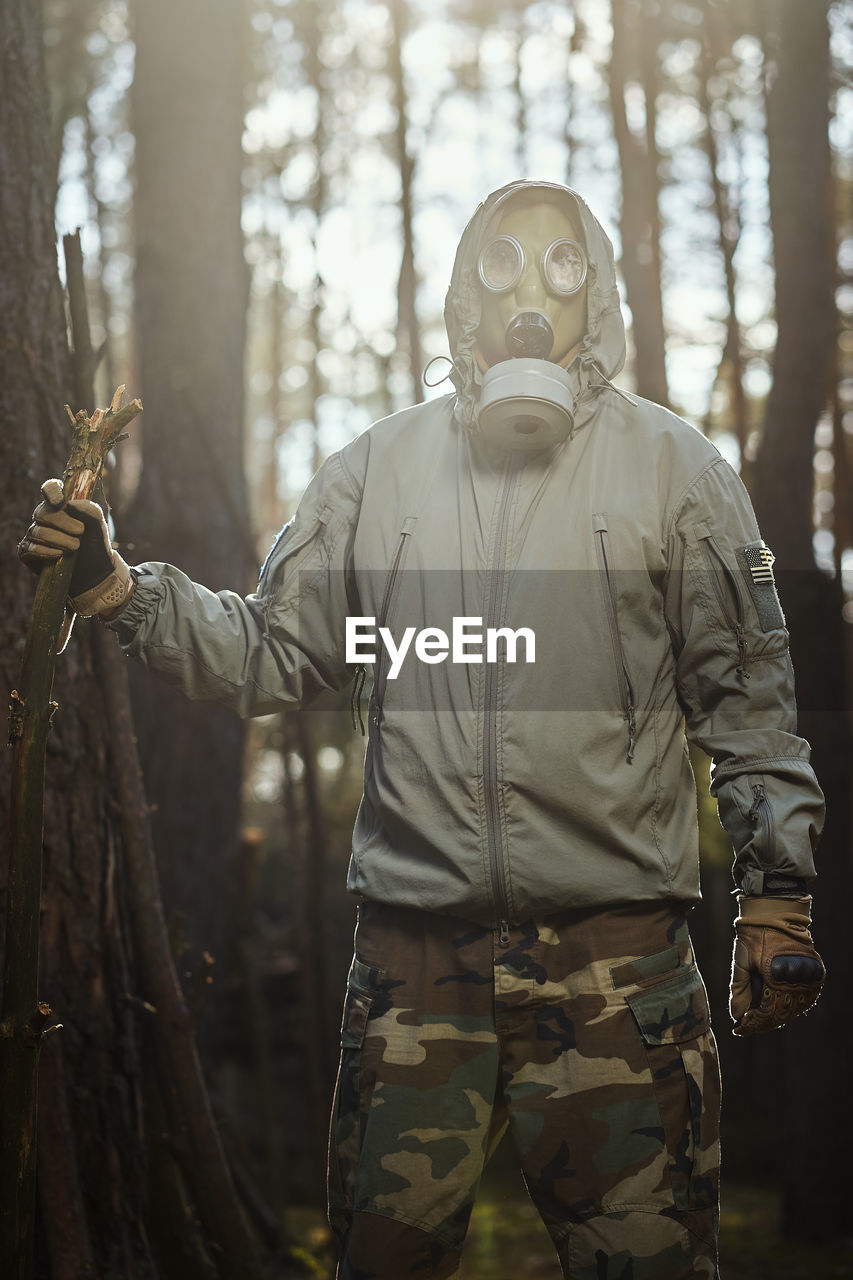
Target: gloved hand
x,y
101,582
776,972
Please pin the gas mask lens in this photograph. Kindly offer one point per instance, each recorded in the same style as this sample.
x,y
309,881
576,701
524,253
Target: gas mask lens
x,y
564,266
502,263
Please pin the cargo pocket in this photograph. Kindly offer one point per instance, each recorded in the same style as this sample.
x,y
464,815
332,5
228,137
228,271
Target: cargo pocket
x,y
352,1097
673,1020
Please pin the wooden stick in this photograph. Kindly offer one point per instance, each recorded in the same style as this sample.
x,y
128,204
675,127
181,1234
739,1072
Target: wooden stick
x,y
23,1020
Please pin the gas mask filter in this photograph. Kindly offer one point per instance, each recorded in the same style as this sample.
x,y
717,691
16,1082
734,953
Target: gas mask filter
x,y
527,401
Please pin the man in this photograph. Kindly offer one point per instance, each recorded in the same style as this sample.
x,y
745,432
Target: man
x,y
552,581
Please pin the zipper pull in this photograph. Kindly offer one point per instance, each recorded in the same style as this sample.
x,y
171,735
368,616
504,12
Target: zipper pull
x,y
742,651
355,698
760,798
503,940
632,732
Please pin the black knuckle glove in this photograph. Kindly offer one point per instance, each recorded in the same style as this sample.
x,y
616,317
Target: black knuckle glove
x,y
776,971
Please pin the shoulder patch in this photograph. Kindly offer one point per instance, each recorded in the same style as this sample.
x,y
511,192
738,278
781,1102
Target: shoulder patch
x,y
756,561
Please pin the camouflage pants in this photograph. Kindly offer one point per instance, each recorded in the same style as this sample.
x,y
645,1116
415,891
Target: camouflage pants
x,y
588,1035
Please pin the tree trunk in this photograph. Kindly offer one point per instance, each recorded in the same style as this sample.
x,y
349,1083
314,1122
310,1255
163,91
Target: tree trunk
x,y
98,1142
639,221
319,193
728,226
521,123
191,508
572,96
407,314
819,1134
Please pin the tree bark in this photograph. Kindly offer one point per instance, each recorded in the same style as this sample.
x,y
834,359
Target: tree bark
x,y
101,1145
192,1129
23,1026
191,508
819,1134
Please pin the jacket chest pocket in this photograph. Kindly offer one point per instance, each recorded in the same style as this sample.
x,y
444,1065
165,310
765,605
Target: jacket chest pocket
x,y
607,578
385,615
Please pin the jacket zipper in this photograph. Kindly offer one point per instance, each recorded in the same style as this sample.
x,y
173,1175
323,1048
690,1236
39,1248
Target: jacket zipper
x,y
623,676
714,558
761,810
490,718
384,612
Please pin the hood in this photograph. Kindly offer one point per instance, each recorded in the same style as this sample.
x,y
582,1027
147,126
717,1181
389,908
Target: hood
x,y
602,351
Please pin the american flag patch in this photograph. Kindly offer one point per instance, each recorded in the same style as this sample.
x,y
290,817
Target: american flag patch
x,y
756,563
760,559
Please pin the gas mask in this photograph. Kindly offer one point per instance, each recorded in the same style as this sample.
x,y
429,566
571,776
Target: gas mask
x,y
532,272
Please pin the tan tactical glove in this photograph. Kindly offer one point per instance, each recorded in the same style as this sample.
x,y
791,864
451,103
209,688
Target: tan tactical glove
x,y
776,972
101,582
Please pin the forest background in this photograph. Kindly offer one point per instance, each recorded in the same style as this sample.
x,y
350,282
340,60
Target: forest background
x,y
269,194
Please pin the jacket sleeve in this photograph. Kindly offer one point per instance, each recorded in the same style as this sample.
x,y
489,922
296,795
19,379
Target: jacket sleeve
x,y
280,646
735,680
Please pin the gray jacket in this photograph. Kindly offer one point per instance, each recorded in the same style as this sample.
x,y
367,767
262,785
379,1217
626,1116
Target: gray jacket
x,y
501,790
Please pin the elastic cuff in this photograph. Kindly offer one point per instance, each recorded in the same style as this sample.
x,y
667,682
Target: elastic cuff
x,y
145,596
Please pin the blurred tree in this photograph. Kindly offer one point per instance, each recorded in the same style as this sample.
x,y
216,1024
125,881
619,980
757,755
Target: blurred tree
x,y
91,1146
520,23
68,28
316,17
408,323
191,506
573,98
715,48
102,293
633,65
819,1132
267,500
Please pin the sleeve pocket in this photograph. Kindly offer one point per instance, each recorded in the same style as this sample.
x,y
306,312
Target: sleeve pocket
x,y
290,552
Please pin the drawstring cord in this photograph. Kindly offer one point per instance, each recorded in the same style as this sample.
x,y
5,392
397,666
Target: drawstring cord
x,y
436,382
605,381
